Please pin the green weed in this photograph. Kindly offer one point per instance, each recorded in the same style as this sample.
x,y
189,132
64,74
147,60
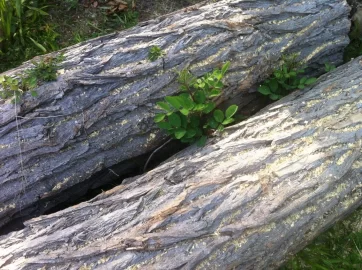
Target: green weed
x,y
338,248
192,115
285,79
154,53
44,71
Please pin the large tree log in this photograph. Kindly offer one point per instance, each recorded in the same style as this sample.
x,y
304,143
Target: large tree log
x,y
242,202
99,112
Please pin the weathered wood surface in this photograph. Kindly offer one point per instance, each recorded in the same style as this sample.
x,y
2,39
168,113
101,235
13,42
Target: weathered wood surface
x,y
242,202
99,112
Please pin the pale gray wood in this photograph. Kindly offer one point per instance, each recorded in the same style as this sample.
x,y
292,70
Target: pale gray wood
x,y
100,110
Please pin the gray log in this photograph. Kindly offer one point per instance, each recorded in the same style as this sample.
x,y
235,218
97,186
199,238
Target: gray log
x,y
99,112
242,202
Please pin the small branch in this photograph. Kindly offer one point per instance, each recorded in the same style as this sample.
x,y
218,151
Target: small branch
x,y
157,149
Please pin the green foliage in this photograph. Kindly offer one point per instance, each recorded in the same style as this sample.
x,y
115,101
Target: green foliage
x,y
329,67
154,53
11,88
338,248
24,32
192,115
45,70
286,78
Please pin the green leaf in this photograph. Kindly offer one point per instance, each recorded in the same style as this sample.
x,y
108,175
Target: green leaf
x,y
274,97
303,80
199,107
310,81
186,101
34,93
301,86
190,133
220,128
228,121
194,121
225,67
179,133
200,97
273,85
212,123
159,117
215,93
184,111
174,120
202,141
293,74
263,89
174,101
184,120
231,111
219,116
164,106
209,107
164,125
284,68
183,88
38,45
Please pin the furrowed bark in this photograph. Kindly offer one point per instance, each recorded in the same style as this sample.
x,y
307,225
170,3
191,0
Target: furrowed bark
x,y
100,110
242,202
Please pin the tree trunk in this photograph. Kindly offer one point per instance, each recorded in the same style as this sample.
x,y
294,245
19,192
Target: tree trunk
x,y
244,201
99,111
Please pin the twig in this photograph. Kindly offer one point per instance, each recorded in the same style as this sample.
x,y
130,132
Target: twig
x,y
148,160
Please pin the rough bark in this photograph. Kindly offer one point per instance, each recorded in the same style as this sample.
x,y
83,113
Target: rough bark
x,y
243,201
99,112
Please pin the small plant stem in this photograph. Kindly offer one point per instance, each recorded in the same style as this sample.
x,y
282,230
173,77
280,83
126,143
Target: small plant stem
x,y
157,149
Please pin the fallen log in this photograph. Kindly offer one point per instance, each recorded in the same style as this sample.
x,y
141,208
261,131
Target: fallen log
x,y
99,111
242,202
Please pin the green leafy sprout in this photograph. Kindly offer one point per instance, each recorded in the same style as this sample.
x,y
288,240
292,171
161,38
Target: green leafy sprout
x,y
154,53
191,116
44,71
286,78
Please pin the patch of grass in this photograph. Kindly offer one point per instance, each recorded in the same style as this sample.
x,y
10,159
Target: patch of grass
x,y
338,248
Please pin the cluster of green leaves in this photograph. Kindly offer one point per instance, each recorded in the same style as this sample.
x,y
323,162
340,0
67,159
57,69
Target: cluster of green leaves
x,y
338,248
24,32
154,53
45,70
192,115
329,67
11,88
286,78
